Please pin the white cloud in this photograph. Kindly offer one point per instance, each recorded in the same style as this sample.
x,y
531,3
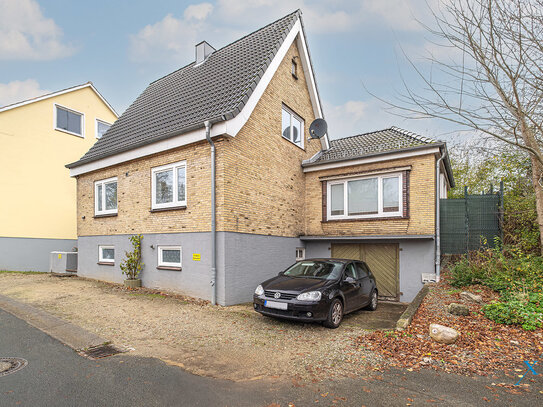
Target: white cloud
x,y
198,11
171,38
25,34
347,119
17,91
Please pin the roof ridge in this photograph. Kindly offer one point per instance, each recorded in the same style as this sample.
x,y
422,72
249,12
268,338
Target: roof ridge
x,y
414,135
364,134
298,11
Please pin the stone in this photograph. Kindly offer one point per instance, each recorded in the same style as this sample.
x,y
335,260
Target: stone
x,y
443,334
458,309
467,296
426,360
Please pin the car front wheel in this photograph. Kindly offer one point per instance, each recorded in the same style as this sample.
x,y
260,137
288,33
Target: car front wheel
x,y
335,314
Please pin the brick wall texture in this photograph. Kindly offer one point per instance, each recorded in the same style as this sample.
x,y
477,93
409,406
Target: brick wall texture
x,y
260,183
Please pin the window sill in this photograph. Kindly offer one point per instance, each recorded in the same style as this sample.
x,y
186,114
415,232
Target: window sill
x,y
105,263
293,143
69,132
380,218
168,268
105,215
170,208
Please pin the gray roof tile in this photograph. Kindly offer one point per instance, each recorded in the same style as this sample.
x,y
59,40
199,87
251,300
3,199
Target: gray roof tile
x,y
373,143
184,99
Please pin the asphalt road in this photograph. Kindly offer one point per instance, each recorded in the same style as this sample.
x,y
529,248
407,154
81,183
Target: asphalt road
x,y
57,376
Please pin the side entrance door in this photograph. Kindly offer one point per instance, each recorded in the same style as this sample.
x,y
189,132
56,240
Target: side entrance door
x,y
382,259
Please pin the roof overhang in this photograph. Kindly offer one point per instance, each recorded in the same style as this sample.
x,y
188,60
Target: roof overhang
x,y
60,92
222,126
365,238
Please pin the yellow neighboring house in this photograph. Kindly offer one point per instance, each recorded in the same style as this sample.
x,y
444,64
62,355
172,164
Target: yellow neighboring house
x,y
38,197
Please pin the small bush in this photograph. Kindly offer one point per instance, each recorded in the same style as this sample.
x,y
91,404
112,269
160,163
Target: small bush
x,y
132,265
525,310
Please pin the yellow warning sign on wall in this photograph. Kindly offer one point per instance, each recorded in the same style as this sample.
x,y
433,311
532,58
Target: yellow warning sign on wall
x,y
196,256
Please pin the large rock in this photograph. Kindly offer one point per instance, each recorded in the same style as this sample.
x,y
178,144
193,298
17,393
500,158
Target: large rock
x,y
467,296
443,334
458,309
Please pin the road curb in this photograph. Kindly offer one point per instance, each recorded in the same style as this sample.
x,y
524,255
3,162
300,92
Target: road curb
x,y
409,313
67,333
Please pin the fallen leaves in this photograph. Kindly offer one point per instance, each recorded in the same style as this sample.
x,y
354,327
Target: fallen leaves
x,y
483,347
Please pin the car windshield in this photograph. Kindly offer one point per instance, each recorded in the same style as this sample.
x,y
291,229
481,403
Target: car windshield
x,y
315,269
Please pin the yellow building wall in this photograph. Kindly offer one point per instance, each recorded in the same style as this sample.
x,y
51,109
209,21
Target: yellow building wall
x,y
37,195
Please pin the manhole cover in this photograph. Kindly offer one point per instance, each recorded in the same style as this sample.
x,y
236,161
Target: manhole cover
x,y
11,365
102,351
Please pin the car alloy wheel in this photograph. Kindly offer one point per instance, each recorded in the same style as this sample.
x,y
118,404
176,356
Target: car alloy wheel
x,y
372,306
335,315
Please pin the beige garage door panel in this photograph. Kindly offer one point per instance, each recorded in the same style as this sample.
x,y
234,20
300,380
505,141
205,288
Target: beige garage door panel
x,y
382,260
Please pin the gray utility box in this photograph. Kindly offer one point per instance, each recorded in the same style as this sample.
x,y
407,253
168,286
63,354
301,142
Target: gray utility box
x,y
63,262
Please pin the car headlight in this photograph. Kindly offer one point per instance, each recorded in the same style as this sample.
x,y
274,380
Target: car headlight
x,y
309,296
259,290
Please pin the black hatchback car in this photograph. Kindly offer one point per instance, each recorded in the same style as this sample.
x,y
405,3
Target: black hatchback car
x,y
318,290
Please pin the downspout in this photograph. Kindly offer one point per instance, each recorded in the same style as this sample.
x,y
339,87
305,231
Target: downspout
x,y
207,124
438,231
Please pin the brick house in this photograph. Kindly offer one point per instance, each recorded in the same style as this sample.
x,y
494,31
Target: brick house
x,y
244,112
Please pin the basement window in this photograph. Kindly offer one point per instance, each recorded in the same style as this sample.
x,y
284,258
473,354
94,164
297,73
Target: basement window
x,y
69,121
365,197
300,253
105,197
169,256
292,127
106,254
169,185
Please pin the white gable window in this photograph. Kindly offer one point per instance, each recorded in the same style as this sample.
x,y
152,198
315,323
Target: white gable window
x,y
106,254
101,128
69,121
105,197
169,186
292,127
365,197
169,256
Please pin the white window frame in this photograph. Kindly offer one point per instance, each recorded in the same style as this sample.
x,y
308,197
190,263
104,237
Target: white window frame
x,y
175,202
55,106
302,133
105,211
96,121
168,264
101,257
380,213
300,253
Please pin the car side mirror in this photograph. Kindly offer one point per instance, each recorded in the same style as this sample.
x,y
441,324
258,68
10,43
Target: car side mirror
x,y
349,280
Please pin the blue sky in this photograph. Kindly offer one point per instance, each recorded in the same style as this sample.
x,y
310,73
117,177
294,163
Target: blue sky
x,y
121,46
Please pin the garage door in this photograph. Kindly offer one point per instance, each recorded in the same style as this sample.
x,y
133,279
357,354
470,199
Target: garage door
x,y
383,262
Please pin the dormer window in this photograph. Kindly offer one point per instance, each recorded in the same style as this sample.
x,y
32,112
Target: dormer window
x,y
294,68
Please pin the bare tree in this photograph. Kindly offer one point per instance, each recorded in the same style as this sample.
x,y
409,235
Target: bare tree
x,y
496,87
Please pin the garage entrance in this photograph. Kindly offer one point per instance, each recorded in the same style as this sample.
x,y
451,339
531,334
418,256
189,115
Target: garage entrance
x,y
382,260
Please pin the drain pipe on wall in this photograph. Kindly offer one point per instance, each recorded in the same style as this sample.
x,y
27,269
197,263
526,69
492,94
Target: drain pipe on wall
x,y
438,229
213,281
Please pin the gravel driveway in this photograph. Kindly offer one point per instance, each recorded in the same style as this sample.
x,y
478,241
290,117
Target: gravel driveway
x,y
226,342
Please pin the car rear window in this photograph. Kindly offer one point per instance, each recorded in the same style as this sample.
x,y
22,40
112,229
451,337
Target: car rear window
x,y
323,270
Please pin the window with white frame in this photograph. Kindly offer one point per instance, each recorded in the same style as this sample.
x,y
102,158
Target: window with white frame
x,y
292,127
69,121
106,254
365,197
105,196
168,184
101,128
300,253
169,256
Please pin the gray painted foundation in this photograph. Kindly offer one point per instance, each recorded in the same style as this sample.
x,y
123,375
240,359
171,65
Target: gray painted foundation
x,y
416,257
243,262
30,254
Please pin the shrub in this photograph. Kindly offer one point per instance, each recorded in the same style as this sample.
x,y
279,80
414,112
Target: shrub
x,y
132,266
521,309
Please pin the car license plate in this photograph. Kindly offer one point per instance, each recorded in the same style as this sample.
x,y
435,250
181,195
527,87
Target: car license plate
x,y
276,305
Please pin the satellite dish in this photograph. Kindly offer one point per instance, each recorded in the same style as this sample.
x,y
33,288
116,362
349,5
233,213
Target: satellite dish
x,y
318,128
